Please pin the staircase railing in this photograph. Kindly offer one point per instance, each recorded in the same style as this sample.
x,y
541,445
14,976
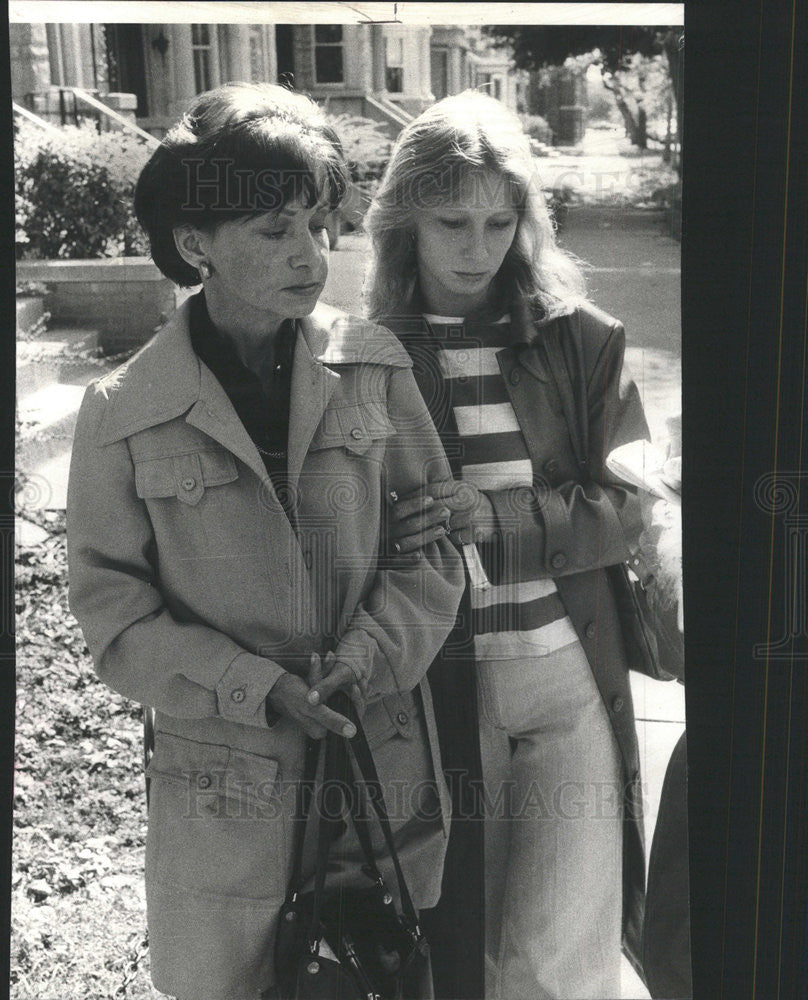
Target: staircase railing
x,y
108,112
31,117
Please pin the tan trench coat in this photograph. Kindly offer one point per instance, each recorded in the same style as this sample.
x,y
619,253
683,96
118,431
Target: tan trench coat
x,y
194,593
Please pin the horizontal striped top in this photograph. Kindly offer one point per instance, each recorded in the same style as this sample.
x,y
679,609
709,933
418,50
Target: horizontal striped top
x,y
524,618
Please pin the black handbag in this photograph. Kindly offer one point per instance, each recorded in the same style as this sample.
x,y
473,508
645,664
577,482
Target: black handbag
x,y
654,644
381,952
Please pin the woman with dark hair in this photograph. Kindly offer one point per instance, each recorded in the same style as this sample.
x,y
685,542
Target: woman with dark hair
x,y
225,501
532,692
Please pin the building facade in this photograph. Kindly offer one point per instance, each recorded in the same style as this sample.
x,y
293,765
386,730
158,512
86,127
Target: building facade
x,y
149,72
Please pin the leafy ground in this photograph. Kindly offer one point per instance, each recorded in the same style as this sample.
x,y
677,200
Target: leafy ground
x,y
80,815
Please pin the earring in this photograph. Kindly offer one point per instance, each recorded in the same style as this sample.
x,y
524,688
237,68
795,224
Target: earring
x,y
205,268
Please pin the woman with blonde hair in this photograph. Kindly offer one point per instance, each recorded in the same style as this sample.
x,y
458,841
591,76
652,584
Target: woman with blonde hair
x,y
525,381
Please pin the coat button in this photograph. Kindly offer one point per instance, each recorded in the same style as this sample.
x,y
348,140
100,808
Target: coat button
x,y
515,377
238,695
204,781
559,560
402,718
617,704
551,467
591,630
357,433
188,484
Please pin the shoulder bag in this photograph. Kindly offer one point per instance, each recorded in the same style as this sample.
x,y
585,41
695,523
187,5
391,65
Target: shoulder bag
x,y
375,950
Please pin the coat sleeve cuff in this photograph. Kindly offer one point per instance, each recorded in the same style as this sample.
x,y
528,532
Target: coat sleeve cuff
x,y
520,538
359,650
244,686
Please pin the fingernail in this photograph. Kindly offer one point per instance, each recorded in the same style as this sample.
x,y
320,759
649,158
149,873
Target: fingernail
x,y
445,512
348,731
428,501
313,697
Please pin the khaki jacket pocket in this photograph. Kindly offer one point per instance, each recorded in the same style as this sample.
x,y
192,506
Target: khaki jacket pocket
x,y
185,477
216,820
355,427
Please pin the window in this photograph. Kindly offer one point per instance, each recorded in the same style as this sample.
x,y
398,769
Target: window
x,y
394,60
202,47
328,53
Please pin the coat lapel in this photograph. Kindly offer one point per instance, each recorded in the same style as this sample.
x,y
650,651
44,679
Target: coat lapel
x,y
214,414
313,384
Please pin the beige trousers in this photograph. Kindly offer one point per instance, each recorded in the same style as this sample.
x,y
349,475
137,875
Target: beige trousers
x,y
554,826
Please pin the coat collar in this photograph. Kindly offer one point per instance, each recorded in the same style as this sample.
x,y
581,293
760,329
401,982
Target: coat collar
x,y
166,379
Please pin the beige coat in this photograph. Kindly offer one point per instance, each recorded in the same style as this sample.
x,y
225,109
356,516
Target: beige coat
x,y
195,593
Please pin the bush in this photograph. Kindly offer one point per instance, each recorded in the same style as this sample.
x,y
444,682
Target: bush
x,y
74,193
74,189
602,108
537,128
366,145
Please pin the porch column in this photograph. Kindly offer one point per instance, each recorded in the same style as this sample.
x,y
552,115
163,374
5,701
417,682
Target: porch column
x,y
378,58
30,66
181,81
238,51
272,53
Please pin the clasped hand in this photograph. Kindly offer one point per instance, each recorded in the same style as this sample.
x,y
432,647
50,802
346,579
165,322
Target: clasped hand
x,y
448,507
304,701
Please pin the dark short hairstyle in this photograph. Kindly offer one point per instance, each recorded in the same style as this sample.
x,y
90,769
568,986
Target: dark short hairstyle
x,y
239,150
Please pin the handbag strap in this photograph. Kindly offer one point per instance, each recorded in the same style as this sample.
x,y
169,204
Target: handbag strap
x,y
367,768
305,793
326,821
335,784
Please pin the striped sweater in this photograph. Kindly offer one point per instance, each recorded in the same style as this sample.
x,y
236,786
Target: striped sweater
x,y
524,618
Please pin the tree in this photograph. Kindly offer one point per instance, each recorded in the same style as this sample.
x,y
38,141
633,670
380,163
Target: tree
x,y
615,48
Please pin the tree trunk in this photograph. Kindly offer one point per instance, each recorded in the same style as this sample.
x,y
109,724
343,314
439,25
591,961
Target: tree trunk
x,y
642,128
672,46
632,126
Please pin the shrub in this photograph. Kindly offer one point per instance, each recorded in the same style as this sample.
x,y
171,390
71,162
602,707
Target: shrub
x,y
74,189
537,128
366,145
74,193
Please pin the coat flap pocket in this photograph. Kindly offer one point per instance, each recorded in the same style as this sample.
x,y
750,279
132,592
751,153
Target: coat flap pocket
x,y
251,774
202,765
213,768
184,476
354,427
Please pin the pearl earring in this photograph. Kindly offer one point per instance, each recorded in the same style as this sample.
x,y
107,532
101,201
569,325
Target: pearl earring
x,y
205,268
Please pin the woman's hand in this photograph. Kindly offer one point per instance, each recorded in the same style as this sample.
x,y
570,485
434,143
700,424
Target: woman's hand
x,y
450,506
290,696
330,675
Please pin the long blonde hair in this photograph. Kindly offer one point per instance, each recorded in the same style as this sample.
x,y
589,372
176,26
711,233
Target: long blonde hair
x,y
462,135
